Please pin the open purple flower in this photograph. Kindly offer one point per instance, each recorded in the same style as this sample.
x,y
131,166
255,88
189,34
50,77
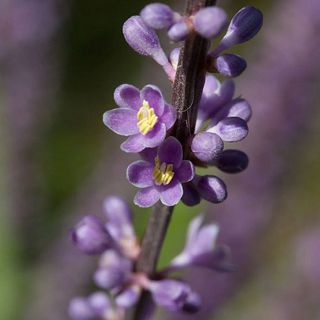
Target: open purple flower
x,y
143,116
161,174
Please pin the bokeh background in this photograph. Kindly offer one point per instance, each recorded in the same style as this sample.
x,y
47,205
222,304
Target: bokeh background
x,y
60,62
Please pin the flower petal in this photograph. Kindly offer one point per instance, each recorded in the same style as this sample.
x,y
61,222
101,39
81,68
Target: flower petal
x,y
171,194
128,96
185,173
122,121
155,136
139,173
133,144
170,151
169,116
153,95
146,197
149,154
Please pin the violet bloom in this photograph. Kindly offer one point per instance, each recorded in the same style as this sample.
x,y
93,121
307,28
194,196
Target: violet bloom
x,y
174,295
201,249
143,116
161,174
90,236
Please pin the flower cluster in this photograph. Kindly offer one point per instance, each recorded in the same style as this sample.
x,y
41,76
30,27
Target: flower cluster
x,y
165,173
116,243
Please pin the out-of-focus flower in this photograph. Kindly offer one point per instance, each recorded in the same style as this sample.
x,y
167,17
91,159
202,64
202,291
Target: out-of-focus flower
x,y
143,115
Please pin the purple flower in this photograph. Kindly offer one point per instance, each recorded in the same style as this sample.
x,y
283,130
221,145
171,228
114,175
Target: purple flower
x,y
95,306
209,21
180,30
158,15
161,174
201,249
113,271
174,295
90,236
143,115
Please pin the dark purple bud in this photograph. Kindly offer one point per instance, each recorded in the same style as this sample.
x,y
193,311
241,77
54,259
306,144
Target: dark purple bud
x,y
230,65
179,31
244,25
210,21
80,309
171,294
212,189
232,161
206,146
190,196
143,39
90,236
129,297
157,15
240,108
231,129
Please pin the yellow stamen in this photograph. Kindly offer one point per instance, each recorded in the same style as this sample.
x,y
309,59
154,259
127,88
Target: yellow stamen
x,y
146,118
162,172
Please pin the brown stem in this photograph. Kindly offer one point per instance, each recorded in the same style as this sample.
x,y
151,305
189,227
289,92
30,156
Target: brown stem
x,y
187,90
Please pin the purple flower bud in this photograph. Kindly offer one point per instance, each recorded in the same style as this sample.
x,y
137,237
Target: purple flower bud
x,y
211,188
244,25
80,309
90,236
157,15
193,303
129,297
191,196
231,129
174,57
143,39
230,65
240,108
91,308
119,218
210,21
232,161
179,31
206,146
172,294
113,270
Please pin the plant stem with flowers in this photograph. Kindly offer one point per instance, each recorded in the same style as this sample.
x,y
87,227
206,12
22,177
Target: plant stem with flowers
x,y
171,141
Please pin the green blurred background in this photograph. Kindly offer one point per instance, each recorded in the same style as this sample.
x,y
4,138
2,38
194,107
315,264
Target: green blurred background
x,y
88,58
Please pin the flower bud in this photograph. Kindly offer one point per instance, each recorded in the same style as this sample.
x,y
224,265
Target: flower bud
x,y
210,21
109,278
193,303
129,297
171,294
179,31
80,309
90,236
212,189
100,303
174,57
231,129
157,15
143,39
240,108
230,65
190,196
206,146
232,161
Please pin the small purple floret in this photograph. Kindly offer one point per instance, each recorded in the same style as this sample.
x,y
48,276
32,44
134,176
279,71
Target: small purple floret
x,y
232,161
179,31
141,175
90,236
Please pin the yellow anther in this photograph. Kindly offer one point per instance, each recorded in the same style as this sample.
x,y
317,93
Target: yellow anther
x,y
146,118
162,172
